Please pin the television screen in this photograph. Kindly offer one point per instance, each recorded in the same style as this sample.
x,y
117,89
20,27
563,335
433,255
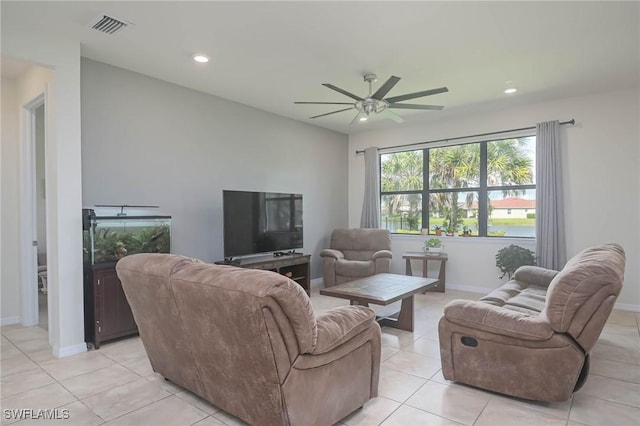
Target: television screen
x,y
260,222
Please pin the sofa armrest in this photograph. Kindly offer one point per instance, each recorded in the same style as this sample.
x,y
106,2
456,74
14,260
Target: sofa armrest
x,y
382,254
337,326
535,275
336,254
497,320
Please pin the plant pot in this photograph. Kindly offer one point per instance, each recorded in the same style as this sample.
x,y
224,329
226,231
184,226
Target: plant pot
x,y
438,232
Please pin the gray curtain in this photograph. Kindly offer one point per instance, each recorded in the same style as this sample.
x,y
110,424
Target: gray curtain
x,y
371,203
550,229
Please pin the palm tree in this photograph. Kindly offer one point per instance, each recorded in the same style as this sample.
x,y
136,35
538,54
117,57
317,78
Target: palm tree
x,y
508,164
402,171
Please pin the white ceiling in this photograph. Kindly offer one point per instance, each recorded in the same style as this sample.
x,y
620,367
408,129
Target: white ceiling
x,y
270,54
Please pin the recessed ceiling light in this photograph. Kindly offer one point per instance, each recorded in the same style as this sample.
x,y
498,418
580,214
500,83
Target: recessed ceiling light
x,y
511,90
201,58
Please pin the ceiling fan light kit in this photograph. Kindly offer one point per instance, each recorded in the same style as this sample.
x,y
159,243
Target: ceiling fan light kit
x,y
376,103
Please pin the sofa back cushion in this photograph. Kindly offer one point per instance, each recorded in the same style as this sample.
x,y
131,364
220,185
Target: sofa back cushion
x,y
242,328
146,283
360,244
581,296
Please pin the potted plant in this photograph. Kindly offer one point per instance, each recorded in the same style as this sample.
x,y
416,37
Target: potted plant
x,y
466,232
450,231
437,230
512,257
433,246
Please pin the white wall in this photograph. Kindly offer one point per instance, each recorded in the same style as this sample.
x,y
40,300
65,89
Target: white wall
x,y
63,181
149,142
9,235
602,163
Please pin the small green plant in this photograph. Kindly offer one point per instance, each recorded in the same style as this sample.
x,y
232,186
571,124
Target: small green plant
x,y
512,257
432,244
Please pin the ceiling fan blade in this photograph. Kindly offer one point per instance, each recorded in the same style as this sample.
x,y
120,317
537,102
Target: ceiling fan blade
x,y
392,115
324,103
414,106
356,119
385,88
416,95
332,112
344,92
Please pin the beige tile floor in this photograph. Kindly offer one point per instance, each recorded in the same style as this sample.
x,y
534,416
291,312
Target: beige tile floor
x,y
116,386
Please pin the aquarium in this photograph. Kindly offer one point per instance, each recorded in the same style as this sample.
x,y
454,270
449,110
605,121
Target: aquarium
x,y
110,238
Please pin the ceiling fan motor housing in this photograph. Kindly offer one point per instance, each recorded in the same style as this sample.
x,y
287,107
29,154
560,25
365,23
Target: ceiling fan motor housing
x,y
369,105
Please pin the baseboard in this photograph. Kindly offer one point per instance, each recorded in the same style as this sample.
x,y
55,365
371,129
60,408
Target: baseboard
x,y
61,352
627,307
9,321
471,288
317,282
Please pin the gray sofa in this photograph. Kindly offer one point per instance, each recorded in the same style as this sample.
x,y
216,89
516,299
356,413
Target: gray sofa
x,y
356,253
531,337
248,342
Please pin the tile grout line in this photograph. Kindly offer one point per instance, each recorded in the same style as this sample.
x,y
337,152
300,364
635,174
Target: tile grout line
x,y
615,378
481,411
153,402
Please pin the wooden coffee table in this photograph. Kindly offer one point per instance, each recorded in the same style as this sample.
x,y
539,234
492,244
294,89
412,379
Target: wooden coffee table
x,y
384,289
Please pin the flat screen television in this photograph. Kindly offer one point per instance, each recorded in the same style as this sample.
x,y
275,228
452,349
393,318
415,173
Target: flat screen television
x,y
261,222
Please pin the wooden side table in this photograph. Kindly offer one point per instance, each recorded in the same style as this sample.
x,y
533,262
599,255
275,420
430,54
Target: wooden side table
x,y
425,258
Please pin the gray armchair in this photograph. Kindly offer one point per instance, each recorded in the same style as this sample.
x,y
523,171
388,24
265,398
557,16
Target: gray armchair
x,y
356,253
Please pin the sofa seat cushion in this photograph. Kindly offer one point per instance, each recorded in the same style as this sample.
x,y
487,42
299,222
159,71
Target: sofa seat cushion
x,y
354,268
519,297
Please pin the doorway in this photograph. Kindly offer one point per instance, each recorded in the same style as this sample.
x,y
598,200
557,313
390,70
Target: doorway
x,y
35,287
41,215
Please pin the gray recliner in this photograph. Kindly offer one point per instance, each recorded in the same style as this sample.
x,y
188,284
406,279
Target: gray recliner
x,y
356,253
531,337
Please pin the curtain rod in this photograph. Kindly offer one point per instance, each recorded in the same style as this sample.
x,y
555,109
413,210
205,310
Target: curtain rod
x,y
571,122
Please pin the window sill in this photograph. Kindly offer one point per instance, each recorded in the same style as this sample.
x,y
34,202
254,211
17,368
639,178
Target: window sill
x,y
467,240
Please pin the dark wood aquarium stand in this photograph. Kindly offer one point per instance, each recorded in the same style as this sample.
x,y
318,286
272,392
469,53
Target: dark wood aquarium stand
x,y
107,314
295,266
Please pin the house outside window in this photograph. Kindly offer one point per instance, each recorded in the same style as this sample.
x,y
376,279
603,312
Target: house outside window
x,y
486,187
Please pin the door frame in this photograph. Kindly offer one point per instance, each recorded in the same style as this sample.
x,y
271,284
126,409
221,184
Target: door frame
x,y
28,214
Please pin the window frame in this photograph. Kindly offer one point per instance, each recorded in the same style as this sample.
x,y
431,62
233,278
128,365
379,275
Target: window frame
x,y
483,189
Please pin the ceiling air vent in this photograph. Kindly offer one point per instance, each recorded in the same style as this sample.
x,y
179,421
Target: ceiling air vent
x,y
108,25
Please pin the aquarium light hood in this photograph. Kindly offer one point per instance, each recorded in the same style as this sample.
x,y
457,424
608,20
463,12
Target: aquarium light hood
x,y
123,206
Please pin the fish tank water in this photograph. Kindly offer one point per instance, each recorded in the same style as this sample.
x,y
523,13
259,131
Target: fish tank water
x,y
108,239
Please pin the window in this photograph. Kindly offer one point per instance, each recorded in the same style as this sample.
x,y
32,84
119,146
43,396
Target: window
x,y
487,188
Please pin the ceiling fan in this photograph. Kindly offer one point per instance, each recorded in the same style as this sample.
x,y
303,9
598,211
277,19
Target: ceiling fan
x,y
376,103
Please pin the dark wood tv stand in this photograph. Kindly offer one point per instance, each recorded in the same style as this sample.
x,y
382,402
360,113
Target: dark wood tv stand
x,y
295,266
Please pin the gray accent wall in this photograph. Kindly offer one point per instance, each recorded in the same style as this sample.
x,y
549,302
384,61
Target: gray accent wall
x,y
149,142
